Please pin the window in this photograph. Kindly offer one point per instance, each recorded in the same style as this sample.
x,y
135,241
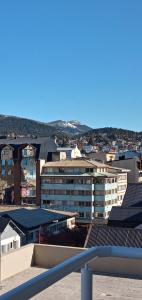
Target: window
x,y
69,181
88,204
88,181
99,181
98,215
79,181
32,193
3,162
122,177
122,187
99,193
10,162
99,203
81,203
11,245
3,173
46,202
81,214
88,215
30,236
61,170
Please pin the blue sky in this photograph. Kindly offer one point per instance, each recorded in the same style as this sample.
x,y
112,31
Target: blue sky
x,y
72,59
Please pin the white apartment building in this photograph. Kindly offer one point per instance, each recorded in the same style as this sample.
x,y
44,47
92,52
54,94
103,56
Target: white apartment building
x,y
87,187
68,153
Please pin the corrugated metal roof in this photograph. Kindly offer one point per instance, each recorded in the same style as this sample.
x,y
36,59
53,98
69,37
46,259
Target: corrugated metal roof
x,y
133,196
113,236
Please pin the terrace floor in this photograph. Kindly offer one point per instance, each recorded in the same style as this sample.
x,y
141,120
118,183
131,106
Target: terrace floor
x,y
104,287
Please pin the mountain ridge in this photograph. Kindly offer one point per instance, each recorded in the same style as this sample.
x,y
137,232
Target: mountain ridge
x,y
23,126
72,127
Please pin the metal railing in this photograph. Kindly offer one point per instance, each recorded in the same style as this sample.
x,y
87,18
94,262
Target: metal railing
x,y
43,281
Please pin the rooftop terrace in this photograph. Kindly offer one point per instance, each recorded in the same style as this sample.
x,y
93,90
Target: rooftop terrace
x,y
113,277
104,287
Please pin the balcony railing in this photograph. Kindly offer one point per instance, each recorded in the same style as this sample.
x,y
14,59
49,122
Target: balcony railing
x,y
43,281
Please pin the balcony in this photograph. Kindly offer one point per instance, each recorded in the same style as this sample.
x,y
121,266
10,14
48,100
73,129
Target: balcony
x,y
123,265
64,186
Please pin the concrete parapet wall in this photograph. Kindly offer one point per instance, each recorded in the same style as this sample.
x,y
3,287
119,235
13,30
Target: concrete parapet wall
x,y
16,261
48,256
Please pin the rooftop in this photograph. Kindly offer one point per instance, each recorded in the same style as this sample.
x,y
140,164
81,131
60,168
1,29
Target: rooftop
x,y
24,140
3,224
113,236
74,163
104,287
125,216
6,208
35,217
133,196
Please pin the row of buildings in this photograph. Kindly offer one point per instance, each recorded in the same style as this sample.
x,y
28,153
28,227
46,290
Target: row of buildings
x,y
36,172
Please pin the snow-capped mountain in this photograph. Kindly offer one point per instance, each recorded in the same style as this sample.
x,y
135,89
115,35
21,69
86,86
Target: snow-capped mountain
x,y
70,127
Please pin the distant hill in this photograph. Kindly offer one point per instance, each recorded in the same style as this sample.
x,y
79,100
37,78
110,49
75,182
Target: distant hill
x,y
111,134
10,125
70,127
23,126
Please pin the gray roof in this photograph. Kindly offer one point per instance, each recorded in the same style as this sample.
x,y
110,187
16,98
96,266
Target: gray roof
x,y
33,218
46,144
121,213
113,236
125,216
133,196
23,140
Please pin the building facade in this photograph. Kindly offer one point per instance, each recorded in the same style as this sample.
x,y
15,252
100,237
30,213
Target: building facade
x,y
134,165
10,239
68,153
38,224
21,162
87,187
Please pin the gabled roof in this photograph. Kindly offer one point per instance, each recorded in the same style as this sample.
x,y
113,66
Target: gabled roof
x,y
133,196
4,221
81,163
3,224
113,236
34,218
74,163
43,145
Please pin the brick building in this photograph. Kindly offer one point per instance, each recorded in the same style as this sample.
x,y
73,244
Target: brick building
x,y
21,161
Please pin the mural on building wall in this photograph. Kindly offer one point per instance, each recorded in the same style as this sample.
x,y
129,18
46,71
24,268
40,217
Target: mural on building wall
x,y
7,180
28,173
